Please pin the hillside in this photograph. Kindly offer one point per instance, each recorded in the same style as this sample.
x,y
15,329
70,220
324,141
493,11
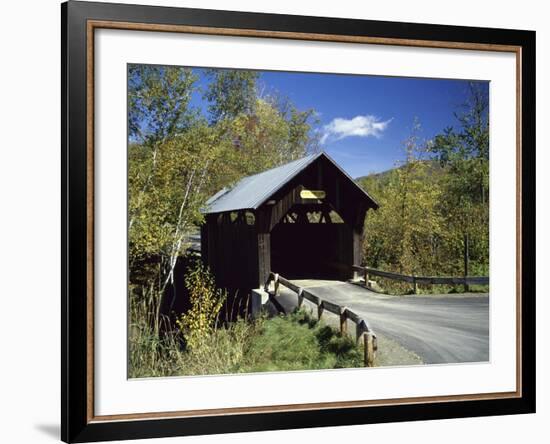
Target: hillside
x,y
434,168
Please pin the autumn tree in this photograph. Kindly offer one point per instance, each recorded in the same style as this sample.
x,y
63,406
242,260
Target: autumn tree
x,y
158,109
178,156
170,207
436,201
158,102
400,235
230,93
265,130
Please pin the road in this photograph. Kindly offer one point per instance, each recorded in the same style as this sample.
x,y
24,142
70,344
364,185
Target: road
x,y
438,328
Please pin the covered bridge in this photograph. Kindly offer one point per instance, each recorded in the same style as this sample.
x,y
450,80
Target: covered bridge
x,y
303,219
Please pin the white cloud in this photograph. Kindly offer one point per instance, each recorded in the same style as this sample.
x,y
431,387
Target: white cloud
x,y
360,126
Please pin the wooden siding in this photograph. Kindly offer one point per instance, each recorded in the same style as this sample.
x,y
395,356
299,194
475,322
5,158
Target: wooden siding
x,y
231,251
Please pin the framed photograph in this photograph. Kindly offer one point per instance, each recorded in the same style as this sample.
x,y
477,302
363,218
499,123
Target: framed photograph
x,y
276,221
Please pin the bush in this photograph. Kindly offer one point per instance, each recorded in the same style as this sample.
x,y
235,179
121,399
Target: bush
x,y
206,300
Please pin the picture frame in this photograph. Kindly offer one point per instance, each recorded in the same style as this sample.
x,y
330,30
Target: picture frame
x,y
80,20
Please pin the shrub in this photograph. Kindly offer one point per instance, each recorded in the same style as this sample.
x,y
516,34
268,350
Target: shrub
x,y
206,302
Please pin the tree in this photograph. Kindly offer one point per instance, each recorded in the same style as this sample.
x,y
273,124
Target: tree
x,y
158,109
465,150
465,154
265,138
178,158
264,130
400,235
230,93
303,136
158,102
177,190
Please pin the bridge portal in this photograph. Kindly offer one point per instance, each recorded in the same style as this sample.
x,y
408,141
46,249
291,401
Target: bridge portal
x,y
304,219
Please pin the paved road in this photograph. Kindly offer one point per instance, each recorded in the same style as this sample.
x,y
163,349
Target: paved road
x,y
438,328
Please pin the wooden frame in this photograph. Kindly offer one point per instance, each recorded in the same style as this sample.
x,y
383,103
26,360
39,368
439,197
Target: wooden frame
x,y
79,20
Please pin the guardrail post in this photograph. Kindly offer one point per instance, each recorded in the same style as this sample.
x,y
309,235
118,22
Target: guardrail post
x,y
369,343
366,278
415,285
359,330
276,285
269,279
343,321
320,310
300,297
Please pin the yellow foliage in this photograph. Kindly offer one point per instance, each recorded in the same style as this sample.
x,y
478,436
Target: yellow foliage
x,y
206,302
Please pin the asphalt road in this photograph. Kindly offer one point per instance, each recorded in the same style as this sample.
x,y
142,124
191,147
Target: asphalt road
x,y
438,328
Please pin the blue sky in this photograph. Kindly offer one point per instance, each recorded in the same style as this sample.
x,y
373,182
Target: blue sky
x,y
363,120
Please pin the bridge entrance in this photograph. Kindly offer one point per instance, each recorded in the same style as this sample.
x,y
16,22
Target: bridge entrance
x,y
312,241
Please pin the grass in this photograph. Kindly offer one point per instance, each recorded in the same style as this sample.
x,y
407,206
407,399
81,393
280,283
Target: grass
x,y
293,342
392,287
299,342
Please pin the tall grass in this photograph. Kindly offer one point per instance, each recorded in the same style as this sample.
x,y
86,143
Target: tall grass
x,y
293,342
150,352
197,343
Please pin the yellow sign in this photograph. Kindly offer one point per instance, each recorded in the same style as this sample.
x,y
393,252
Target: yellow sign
x,y
312,194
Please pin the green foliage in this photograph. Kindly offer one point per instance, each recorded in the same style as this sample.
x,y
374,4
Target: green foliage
x,y
230,93
198,323
471,140
435,201
401,235
178,159
465,153
167,188
265,139
158,99
284,346
299,342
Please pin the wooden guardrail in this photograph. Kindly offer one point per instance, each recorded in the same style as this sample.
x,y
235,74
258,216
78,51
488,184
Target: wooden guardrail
x,y
415,280
363,332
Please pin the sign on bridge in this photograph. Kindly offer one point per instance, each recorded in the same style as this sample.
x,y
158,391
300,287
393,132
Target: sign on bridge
x,y
312,194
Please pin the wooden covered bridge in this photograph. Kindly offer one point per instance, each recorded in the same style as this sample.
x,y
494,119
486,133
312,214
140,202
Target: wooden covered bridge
x,y
303,219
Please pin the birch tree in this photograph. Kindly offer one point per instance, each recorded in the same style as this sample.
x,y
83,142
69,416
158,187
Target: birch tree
x,y
158,109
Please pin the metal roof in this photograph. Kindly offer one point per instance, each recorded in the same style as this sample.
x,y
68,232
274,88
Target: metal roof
x,y
252,191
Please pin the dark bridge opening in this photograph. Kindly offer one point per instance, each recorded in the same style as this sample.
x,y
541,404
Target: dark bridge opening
x,y
312,241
